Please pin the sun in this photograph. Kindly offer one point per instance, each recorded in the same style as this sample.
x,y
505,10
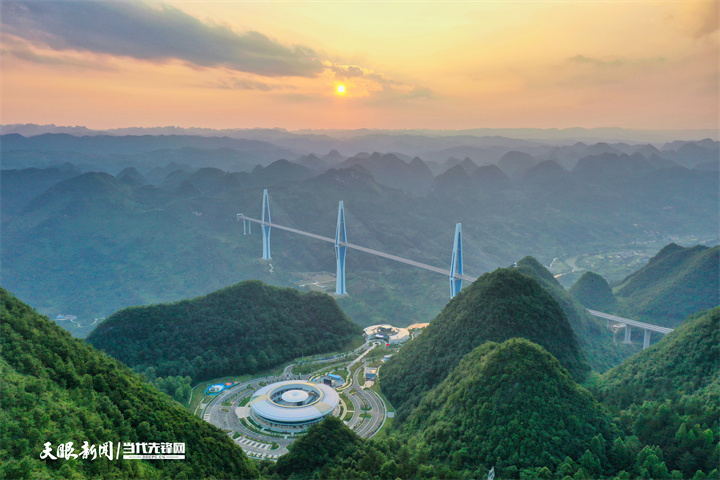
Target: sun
x,y
341,89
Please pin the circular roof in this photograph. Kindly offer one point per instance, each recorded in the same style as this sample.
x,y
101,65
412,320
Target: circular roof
x,y
295,396
326,402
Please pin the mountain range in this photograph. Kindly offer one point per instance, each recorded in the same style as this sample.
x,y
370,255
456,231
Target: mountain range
x,y
102,239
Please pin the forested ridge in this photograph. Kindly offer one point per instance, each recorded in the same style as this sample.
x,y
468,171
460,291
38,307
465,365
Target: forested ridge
x,y
58,389
240,329
677,282
593,291
592,334
511,405
685,362
669,394
498,306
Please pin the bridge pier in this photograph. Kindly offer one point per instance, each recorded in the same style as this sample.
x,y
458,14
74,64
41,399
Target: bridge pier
x,y
247,224
266,228
628,338
340,250
646,339
456,264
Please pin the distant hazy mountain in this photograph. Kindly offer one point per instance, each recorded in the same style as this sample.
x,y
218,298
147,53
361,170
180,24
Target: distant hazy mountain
x,y
18,187
514,163
131,177
690,154
675,283
391,171
313,162
275,134
543,172
279,171
150,151
600,168
213,181
490,175
454,177
31,129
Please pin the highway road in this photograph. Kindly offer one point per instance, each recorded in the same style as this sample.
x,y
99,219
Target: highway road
x,y
361,397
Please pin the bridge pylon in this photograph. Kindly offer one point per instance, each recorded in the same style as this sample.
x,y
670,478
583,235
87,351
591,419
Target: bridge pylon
x,y
265,226
456,263
340,250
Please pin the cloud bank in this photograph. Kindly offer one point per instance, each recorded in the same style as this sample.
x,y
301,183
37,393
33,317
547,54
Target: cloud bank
x,y
155,34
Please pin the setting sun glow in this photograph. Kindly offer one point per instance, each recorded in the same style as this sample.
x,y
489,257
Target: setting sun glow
x,y
341,88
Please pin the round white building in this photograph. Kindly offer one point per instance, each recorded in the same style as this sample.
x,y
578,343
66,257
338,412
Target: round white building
x,y
292,406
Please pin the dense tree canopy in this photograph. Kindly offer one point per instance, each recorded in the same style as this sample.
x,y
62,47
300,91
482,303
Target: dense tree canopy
x,y
244,328
593,291
508,404
685,362
498,306
675,283
58,389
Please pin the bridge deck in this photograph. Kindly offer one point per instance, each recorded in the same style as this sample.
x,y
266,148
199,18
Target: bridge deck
x,y
632,323
614,318
362,249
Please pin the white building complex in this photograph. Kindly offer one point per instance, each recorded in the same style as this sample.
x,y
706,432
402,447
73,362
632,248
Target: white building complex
x,y
387,333
292,406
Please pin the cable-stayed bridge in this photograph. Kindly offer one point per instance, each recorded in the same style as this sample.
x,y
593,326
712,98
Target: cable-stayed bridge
x,y
455,273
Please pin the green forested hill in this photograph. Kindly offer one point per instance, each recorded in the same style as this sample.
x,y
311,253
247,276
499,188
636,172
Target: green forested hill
x,y
508,404
681,363
669,395
244,328
496,307
329,440
594,338
58,389
675,283
593,291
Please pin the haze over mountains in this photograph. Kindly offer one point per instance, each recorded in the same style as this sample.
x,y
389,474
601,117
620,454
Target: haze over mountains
x,y
106,217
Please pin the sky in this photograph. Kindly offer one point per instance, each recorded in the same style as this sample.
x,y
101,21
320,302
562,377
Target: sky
x,y
403,65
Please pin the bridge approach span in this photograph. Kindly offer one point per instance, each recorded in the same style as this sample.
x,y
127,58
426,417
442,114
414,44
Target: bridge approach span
x,y
632,323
